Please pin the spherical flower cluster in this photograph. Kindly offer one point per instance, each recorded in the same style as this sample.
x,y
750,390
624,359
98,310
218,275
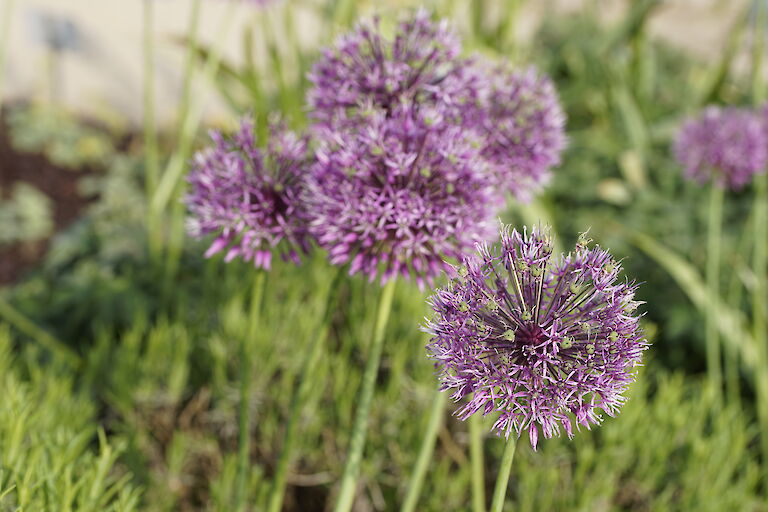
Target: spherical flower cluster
x,y
421,65
540,340
418,146
250,198
400,195
523,128
724,145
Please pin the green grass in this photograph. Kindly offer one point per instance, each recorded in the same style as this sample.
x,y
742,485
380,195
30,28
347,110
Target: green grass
x,y
54,455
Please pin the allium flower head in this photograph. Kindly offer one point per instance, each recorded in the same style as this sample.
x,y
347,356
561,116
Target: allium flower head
x,y
523,126
724,145
400,194
421,64
250,198
541,340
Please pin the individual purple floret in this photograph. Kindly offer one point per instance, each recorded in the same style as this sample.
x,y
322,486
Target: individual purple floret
x,y
523,126
541,340
724,145
250,198
420,65
400,194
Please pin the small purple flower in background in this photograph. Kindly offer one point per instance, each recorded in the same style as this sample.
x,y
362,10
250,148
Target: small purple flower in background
x,y
249,197
523,126
724,145
400,194
540,340
421,65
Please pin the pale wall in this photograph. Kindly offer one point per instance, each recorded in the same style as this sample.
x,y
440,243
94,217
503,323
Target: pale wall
x,y
106,75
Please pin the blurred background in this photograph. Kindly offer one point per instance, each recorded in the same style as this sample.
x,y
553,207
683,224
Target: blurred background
x,y
118,340
100,69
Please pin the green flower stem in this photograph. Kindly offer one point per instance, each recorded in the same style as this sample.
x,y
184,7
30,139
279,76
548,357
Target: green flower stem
x,y
171,183
507,31
189,61
500,491
307,382
715,221
732,372
151,162
154,227
360,427
476,461
758,53
425,453
287,97
760,254
244,420
760,258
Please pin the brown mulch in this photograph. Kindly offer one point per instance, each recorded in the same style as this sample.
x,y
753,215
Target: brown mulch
x,y
59,184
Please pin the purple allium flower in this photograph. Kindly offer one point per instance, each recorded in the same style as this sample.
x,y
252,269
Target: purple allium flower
x,y
400,194
725,145
523,126
420,65
250,198
541,340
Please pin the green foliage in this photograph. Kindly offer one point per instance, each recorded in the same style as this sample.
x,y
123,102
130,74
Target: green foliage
x,y
161,362
62,137
53,455
26,216
670,449
95,274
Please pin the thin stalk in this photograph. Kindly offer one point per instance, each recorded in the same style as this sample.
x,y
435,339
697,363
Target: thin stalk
x,y
28,327
476,462
252,76
151,158
360,427
760,265
507,31
171,181
478,8
301,65
5,32
500,491
287,95
760,254
734,297
174,247
758,53
244,420
343,13
189,62
307,382
436,414
175,243
155,217
717,80
715,221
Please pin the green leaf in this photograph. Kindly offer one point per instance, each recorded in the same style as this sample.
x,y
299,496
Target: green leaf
x,y
730,322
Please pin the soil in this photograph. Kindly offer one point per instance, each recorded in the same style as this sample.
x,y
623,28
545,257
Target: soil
x,y
59,184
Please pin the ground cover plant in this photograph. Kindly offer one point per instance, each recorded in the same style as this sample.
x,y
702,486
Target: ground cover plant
x,y
241,319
